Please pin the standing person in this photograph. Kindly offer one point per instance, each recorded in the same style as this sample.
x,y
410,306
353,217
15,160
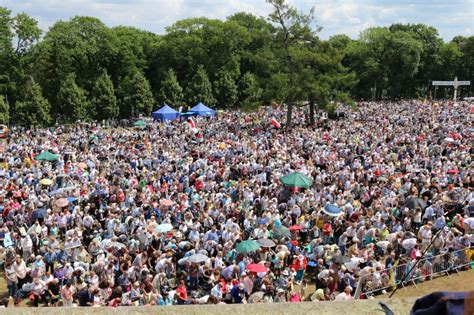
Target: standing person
x,y
327,232
50,258
27,247
12,280
67,293
300,264
425,234
20,269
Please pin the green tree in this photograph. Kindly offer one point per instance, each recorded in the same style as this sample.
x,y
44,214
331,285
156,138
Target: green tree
x,y
135,96
73,101
199,89
294,29
249,91
26,31
83,46
33,108
4,111
6,49
103,99
171,92
225,89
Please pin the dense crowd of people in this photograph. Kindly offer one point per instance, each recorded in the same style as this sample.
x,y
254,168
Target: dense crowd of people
x,y
168,214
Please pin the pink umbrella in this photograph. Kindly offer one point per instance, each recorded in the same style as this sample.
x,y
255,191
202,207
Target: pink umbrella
x,y
256,268
166,202
61,203
452,171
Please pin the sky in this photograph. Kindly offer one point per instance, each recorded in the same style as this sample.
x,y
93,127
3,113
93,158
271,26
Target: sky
x,y
350,17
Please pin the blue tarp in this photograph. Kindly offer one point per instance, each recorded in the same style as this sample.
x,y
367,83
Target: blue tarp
x,y
165,113
201,110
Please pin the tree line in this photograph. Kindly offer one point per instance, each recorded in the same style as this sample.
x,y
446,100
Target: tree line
x,y
81,69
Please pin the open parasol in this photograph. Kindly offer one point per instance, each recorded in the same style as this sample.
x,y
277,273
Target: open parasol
x,y
46,182
256,268
61,203
265,242
163,228
331,210
296,179
197,258
166,202
247,246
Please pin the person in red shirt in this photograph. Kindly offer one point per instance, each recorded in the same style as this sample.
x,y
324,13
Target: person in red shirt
x,y
327,232
181,293
299,264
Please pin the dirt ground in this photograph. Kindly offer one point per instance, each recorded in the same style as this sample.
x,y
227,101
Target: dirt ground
x,y
463,281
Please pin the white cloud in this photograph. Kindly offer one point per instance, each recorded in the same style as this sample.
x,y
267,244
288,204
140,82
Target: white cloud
x,y
451,17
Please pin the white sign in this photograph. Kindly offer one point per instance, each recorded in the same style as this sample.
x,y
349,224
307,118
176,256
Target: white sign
x,y
451,83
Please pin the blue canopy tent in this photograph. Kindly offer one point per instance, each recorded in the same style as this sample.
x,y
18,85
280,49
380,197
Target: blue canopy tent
x,y
201,110
165,113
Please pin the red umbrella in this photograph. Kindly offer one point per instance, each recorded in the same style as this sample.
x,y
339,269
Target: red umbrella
x,y
256,268
452,171
295,228
455,135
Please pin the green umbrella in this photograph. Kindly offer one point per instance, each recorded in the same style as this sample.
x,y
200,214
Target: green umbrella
x,y
247,246
47,156
296,180
280,232
139,123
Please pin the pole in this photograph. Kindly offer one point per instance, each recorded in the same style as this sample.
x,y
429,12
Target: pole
x,y
456,84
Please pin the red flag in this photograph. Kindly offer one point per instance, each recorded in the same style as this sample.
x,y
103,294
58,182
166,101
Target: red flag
x,y
275,123
191,123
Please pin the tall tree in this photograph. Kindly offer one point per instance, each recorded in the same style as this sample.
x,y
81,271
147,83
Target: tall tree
x,y
72,99
135,96
6,49
103,98
27,32
171,92
200,88
249,91
4,111
33,108
294,28
225,89
83,46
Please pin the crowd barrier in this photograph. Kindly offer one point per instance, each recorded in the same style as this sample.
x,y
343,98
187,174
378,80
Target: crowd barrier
x,y
386,280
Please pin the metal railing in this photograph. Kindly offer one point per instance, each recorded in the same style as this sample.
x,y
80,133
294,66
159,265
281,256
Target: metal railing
x,y
380,282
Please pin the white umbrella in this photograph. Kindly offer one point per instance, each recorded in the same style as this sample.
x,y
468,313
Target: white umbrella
x,y
448,139
409,243
197,258
163,228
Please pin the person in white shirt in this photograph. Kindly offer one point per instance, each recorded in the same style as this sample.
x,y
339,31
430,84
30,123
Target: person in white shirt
x,y
345,295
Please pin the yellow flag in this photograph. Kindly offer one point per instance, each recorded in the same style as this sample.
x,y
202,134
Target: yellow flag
x,y
392,282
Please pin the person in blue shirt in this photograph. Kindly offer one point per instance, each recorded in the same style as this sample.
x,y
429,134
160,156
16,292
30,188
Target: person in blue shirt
x,y
238,293
50,258
164,300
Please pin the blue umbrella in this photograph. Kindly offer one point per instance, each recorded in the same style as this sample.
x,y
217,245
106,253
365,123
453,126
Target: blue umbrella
x,y
98,193
38,214
331,210
264,220
71,199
